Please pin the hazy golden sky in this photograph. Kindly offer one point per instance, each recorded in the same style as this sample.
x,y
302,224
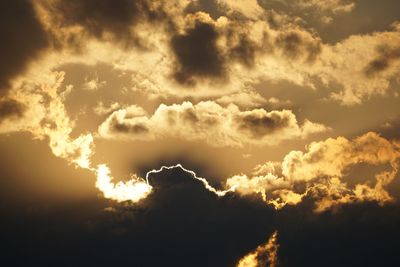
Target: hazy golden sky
x,y
288,103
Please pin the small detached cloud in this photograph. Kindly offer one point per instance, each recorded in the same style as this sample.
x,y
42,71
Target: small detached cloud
x,y
93,84
208,121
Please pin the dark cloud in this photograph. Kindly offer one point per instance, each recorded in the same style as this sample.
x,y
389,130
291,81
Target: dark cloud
x,y
183,224
295,46
245,51
137,128
179,224
10,108
208,6
261,124
105,18
386,56
391,129
22,39
197,53
364,234
189,115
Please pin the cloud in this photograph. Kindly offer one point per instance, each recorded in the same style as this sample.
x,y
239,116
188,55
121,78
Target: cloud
x,y
318,173
210,122
357,235
334,6
45,116
133,190
23,38
10,108
296,43
241,52
182,230
248,8
182,222
222,60
93,84
312,12
102,109
105,19
222,49
264,255
386,55
283,50
197,52
217,49
249,99
321,173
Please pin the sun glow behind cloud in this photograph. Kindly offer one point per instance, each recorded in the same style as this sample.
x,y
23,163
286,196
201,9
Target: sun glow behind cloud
x,y
133,190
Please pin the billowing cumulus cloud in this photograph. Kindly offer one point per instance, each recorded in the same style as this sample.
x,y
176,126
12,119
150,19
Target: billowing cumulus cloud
x,y
210,122
322,173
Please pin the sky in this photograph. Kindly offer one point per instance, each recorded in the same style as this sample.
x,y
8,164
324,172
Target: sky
x,y
239,133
